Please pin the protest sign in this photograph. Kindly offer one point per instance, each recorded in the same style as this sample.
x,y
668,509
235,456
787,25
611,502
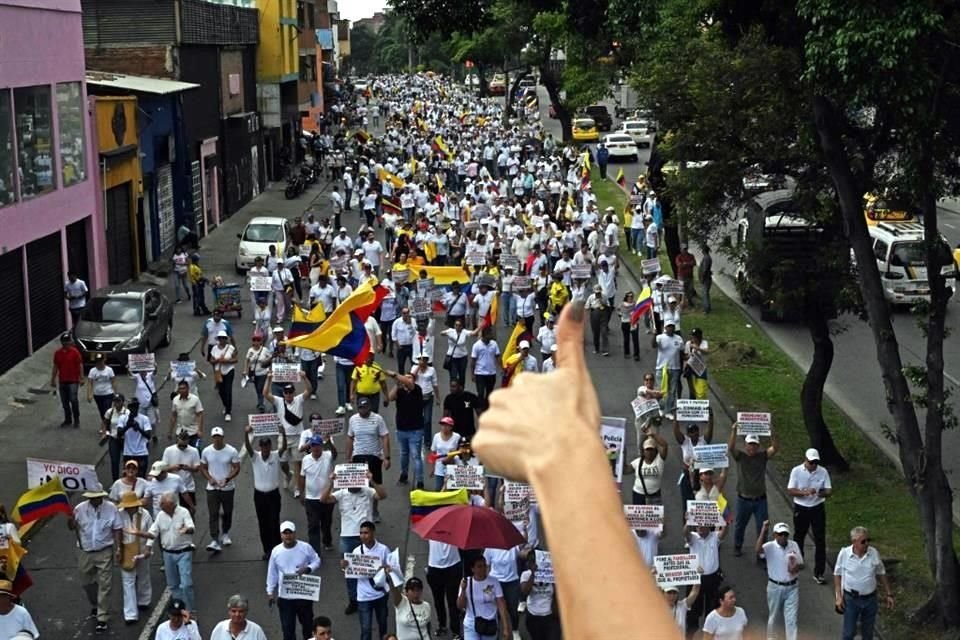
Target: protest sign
x,y
305,587
613,433
400,276
470,225
362,565
518,511
522,283
510,262
424,285
712,456
474,258
487,280
464,477
650,266
284,372
330,426
703,513
181,369
643,410
756,424
421,307
648,517
73,476
517,491
260,283
338,262
693,410
137,362
696,364
436,295
677,570
581,271
264,425
350,475
544,572
672,286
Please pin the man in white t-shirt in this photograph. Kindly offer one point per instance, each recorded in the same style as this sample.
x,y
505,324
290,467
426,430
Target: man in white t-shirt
x,y
371,598
220,464
178,626
669,346
184,460
75,291
314,479
784,561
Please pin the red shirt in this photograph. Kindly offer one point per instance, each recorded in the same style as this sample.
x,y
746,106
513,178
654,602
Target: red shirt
x,y
685,264
69,364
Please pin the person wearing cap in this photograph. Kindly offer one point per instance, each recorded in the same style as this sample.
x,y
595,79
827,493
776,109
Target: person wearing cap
x,y
67,377
266,485
132,480
183,460
98,527
14,618
485,356
685,264
549,361
751,481
669,348
680,607
403,332
704,542
809,486
690,481
259,270
102,384
649,468
223,358
372,252
314,478
711,484
455,359
134,568
257,365
282,285
368,381
174,527
634,230
136,432
161,482
371,599
526,362
237,625
291,557
855,576
368,441
412,611
671,311
598,308
178,625
628,329
290,407
211,329
425,376
407,397
784,561
695,352
651,237
109,432
220,464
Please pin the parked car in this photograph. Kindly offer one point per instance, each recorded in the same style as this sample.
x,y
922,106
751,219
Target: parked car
x,y
640,130
498,86
259,234
621,146
601,116
584,130
119,323
755,181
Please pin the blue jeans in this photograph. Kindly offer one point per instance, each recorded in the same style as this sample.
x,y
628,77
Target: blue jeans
x,y
376,607
344,372
428,421
746,509
258,383
651,252
788,599
178,569
293,611
862,608
410,442
636,236
180,281
70,402
508,308
347,545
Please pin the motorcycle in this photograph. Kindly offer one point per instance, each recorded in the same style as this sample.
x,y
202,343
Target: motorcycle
x,y
308,173
295,186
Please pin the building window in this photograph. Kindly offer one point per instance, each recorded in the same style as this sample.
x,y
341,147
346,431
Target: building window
x,y
7,193
70,116
31,107
308,68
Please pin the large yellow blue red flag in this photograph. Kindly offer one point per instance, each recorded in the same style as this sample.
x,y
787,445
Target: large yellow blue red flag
x,y
305,322
442,276
385,176
422,503
342,333
43,501
11,565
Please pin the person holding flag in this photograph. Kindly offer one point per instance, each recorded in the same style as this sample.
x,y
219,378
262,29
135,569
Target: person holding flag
x,y
629,327
621,179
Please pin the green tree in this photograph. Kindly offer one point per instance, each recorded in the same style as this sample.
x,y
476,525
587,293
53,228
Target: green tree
x,y
363,44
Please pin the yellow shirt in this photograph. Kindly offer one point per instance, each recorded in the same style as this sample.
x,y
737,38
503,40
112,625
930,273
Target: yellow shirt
x,y
368,379
558,294
194,272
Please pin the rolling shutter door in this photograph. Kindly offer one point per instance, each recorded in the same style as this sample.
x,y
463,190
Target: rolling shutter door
x,y
45,275
15,344
119,234
165,209
77,258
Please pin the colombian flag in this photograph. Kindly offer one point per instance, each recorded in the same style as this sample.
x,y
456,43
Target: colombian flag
x,y
586,163
342,333
643,305
305,322
423,503
11,564
511,354
441,146
389,204
385,176
362,137
621,179
439,183
44,501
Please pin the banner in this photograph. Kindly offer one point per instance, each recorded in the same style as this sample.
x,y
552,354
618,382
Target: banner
x,y
713,456
510,262
350,475
693,410
360,565
284,372
424,285
522,283
137,362
696,364
518,511
400,276
265,425
672,286
644,410
648,517
614,434
703,513
73,476
305,587
650,266
260,283
677,570
753,424
465,476
544,572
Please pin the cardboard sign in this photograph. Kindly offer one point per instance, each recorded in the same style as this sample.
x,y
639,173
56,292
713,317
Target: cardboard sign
x,y
305,587
465,477
421,307
693,410
138,362
522,283
285,372
644,410
696,364
510,262
544,572
424,285
350,475
330,426
487,280
650,266
471,225
73,476
648,517
755,424
361,565
713,456
581,272
613,432
474,258
181,369
677,570
703,513
265,425
260,283
517,491
400,276
518,511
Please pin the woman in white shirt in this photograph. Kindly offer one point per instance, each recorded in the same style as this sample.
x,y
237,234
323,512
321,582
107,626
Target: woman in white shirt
x,y
481,600
649,471
444,570
542,622
129,481
223,357
444,443
102,385
413,612
146,393
680,606
455,359
257,366
727,621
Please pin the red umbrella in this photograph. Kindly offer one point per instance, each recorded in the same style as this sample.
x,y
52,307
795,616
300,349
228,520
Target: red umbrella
x,y
469,527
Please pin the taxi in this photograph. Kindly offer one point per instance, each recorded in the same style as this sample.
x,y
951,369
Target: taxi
x,y
584,130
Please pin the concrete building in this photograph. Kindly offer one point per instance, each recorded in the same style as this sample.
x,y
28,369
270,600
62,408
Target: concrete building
x,y
48,173
278,74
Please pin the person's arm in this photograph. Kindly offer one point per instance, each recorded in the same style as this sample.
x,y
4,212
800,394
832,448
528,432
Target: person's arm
x,y
378,488
721,480
395,596
708,430
206,472
384,391
307,386
692,596
885,583
774,443
762,538
349,456
662,446
504,618
393,393
462,595
283,442
352,394
267,384
199,424
732,441
677,434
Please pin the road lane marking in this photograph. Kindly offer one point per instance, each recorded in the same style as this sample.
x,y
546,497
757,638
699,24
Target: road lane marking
x,y
158,612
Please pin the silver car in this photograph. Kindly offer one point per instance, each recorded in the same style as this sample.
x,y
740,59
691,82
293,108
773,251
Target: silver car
x,y
119,323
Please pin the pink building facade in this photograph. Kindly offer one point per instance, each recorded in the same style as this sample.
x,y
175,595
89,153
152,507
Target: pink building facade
x,y
50,221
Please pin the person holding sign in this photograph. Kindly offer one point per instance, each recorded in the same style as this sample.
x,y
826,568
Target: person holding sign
x,y
649,469
223,357
291,557
705,543
314,478
412,611
751,482
542,622
290,408
266,486
371,599
669,346
695,366
680,606
369,442
784,562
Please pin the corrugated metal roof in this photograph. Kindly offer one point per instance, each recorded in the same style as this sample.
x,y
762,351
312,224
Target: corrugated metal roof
x,y
142,84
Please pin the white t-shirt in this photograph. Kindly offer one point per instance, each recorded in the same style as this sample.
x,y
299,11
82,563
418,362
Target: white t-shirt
x,y
540,598
726,628
647,545
503,563
174,455
652,475
218,462
355,509
316,473
486,355
443,447
668,351
481,599
680,616
412,620
372,252
295,407
456,342
442,555
16,621
189,631
252,632
76,293
136,442
227,352
365,589
102,381
366,434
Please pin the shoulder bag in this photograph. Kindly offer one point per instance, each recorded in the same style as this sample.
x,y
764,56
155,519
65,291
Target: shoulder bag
x,y
483,626
448,359
154,401
413,612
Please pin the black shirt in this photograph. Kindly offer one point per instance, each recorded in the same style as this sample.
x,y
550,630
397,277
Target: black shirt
x,y
409,409
462,407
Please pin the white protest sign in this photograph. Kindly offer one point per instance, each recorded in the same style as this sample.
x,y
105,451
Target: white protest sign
x,y
436,295
305,587
544,572
752,423
260,283
360,565
672,286
464,476
338,262
518,511
517,491
693,410
650,266
330,426
643,410
581,271
137,362
264,425
350,475
181,369
614,435
648,517
474,258
285,372
470,225
677,570
73,476
510,262
696,364
522,283
421,307
703,513
400,276
712,456
424,285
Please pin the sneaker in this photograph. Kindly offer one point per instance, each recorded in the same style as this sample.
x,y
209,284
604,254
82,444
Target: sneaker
x,y
101,627
214,546
522,607
340,411
349,407
819,579
226,417
737,552
402,479
351,608
296,493
516,635
420,484
313,396
225,540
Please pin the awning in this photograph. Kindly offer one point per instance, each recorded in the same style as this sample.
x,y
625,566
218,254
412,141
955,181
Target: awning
x,y
141,84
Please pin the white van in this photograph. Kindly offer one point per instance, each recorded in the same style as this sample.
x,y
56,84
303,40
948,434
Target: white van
x,y
902,261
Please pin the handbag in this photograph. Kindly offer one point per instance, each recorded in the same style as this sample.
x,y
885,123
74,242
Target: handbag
x,y
483,626
154,401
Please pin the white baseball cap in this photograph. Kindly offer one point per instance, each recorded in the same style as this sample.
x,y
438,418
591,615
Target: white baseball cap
x,y
216,431
524,344
752,439
288,525
812,454
222,334
781,527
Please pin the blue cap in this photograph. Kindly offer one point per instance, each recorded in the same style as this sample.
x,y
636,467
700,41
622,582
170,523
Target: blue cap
x,y
316,440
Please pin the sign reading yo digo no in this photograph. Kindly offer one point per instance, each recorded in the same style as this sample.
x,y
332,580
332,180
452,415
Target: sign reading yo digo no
x,y
73,476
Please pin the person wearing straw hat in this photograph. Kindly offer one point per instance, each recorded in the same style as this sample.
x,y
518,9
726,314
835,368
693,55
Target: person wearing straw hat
x,y
134,566
97,525
15,620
